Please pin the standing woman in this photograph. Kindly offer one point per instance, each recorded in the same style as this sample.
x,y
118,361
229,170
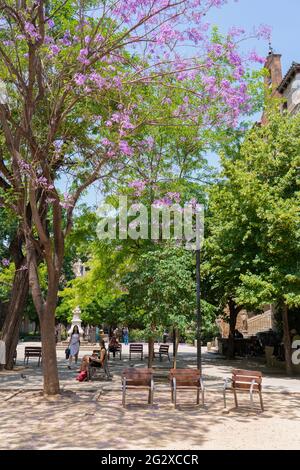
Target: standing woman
x,y
74,345
125,335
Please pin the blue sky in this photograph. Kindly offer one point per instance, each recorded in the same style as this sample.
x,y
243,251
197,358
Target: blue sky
x,y
282,16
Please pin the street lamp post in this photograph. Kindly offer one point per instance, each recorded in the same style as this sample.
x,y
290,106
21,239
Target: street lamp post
x,y
198,311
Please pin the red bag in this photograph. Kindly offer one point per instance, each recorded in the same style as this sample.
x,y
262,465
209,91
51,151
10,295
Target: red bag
x,y
82,376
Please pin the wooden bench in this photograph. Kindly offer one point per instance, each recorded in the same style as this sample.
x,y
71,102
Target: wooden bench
x,y
163,351
136,349
136,379
186,379
32,351
244,381
118,351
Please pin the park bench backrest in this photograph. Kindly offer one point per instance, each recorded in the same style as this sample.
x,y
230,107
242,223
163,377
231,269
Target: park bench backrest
x,y
164,349
31,351
242,379
185,377
136,348
138,376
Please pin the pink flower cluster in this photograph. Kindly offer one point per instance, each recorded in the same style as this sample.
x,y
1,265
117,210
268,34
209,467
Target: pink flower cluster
x,y
138,186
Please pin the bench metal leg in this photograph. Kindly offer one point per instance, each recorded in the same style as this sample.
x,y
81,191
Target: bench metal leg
x,y
198,396
235,398
224,397
202,396
251,394
151,393
124,394
261,402
174,392
251,399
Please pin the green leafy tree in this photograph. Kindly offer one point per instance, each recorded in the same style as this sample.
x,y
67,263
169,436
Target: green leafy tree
x,y
254,242
161,291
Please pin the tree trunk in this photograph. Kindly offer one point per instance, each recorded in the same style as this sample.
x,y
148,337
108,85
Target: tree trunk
x,y
50,372
150,351
175,346
14,315
233,313
287,341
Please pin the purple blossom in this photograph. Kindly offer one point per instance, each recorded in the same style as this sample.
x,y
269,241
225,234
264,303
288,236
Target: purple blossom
x,y
80,79
5,262
138,186
42,182
254,57
174,196
125,148
67,201
106,142
51,23
264,32
66,40
54,50
83,53
31,30
48,40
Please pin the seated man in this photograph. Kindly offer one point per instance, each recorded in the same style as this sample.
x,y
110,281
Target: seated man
x,y
113,345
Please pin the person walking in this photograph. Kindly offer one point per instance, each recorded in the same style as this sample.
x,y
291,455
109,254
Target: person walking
x,y
74,345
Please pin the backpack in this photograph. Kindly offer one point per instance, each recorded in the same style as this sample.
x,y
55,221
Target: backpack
x,y
82,376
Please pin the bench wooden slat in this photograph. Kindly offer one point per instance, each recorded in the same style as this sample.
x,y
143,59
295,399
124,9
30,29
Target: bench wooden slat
x,y
244,379
248,373
245,386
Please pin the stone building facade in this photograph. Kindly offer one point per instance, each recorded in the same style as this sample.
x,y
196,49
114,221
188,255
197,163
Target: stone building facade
x,y
286,87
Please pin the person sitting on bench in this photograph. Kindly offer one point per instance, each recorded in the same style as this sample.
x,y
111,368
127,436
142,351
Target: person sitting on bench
x,y
113,345
95,358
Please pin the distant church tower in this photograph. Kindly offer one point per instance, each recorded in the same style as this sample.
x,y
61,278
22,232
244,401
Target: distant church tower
x,y
274,77
273,65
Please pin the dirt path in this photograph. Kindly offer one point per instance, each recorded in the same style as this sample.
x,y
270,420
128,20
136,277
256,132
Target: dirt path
x,y
28,421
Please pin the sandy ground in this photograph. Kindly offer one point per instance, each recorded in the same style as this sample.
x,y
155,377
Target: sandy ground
x,y
90,415
79,420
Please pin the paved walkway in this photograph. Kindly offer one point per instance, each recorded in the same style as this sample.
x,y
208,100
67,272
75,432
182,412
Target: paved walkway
x,y
215,370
